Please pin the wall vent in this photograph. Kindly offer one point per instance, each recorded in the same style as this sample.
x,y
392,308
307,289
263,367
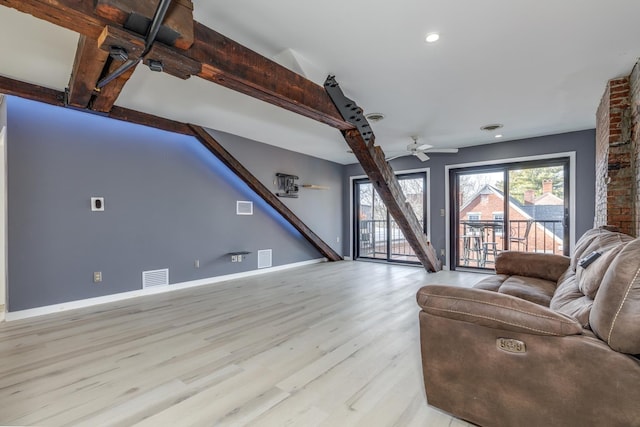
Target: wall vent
x,y
244,208
155,278
264,258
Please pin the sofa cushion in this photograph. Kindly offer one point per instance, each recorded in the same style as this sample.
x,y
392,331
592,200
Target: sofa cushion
x,y
608,245
491,283
531,289
529,264
569,299
615,315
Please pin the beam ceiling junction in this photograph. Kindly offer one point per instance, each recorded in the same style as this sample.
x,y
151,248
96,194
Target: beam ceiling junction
x,y
191,48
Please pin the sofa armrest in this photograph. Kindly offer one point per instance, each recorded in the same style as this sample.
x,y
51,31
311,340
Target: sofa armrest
x,y
495,310
543,266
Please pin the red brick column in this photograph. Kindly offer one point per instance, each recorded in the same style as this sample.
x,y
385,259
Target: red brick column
x,y
634,82
615,166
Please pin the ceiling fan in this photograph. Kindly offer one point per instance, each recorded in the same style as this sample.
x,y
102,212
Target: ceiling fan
x,y
420,150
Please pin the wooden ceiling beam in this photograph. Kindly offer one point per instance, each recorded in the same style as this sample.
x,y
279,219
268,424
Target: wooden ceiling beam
x,y
75,15
237,67
88,66
106,98
384,180
178,21
92,62
221,60
9,86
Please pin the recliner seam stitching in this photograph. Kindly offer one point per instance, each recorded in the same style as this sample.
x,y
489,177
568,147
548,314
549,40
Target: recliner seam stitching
x,y
501,306
497,320
626,295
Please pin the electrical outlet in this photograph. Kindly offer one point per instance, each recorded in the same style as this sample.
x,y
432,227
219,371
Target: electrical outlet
x,y
196,264
97,276
338,239
441,252
441,212
234,258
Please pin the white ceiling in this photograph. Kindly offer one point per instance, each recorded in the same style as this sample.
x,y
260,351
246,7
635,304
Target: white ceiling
x,y
539,67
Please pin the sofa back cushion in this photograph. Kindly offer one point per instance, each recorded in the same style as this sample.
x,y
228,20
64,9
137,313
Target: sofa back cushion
x,y
583,243
569,299
615,315
608,245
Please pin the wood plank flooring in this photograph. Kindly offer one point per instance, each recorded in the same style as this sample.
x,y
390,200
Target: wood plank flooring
x,y
331,344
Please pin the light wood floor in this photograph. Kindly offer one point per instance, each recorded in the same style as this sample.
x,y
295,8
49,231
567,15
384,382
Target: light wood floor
x,y
331,344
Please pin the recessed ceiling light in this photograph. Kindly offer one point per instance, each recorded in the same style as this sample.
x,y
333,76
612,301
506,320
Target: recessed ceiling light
x,y
491,127
498,136
374,117
432,37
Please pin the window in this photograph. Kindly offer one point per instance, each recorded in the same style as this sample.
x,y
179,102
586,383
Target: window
x,y
473,216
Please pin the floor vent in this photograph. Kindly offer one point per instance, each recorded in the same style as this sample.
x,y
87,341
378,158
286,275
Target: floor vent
x,y
264,258
155,278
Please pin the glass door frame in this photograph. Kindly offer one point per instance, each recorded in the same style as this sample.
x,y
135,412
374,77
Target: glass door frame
x,y
566,160
355,222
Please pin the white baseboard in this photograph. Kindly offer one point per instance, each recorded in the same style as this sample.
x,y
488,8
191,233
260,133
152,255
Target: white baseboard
x,y
72,305
347,258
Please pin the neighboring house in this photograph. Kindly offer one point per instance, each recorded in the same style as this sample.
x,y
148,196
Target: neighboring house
x,y
546,212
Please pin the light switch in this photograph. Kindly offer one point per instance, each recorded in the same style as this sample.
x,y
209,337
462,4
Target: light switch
x,y
97,204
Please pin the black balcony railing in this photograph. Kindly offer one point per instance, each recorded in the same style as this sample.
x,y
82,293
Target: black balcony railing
x,y
378,239
480,241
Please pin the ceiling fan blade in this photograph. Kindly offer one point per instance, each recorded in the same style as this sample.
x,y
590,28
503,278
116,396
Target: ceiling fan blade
x,y
423,147
388,159
423,157
441,150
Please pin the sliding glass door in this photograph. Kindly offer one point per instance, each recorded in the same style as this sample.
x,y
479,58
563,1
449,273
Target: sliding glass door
x,y
519,206
377,236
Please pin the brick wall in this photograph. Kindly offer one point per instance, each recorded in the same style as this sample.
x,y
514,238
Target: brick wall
x,y
634,82
616,173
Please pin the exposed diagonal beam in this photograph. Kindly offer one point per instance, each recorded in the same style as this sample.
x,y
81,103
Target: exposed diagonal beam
x,y
222,61
221,153
372,159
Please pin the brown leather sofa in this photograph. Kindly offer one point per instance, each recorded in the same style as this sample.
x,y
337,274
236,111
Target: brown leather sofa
x,y
544,342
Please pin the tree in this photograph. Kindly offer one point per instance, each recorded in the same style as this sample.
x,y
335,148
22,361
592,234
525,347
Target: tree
x,y
532,179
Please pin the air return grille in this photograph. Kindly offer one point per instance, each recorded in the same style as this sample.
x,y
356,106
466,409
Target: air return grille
x,y
264,258
153,278
244,208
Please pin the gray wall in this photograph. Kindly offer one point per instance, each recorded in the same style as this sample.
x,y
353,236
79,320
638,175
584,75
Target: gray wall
x,y
3,123
168,202
319,209
582,142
